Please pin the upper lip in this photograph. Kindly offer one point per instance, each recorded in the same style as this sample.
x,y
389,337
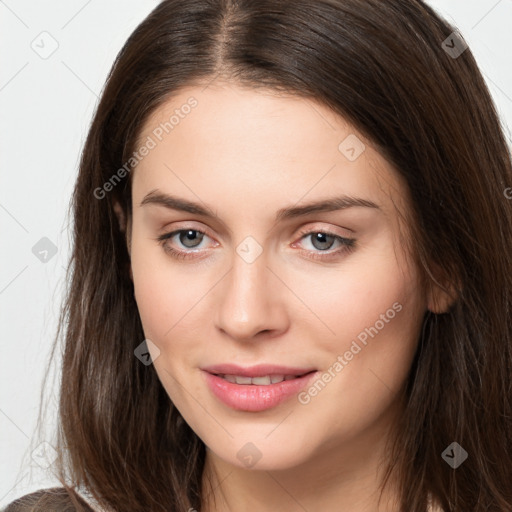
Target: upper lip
x,y
259,370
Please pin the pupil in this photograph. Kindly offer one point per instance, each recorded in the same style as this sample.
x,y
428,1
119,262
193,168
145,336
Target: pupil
x,y
190,235
321,238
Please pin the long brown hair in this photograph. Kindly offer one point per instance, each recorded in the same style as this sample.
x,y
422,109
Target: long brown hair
x,y
389,68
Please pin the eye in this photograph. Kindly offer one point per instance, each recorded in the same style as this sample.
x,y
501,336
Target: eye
x,y
324,240
187,237
192,238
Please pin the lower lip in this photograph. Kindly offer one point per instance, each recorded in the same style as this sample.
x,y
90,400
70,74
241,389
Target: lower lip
x,y
254,398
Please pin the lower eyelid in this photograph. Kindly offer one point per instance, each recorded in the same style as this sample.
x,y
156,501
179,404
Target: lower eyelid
x,y
345,243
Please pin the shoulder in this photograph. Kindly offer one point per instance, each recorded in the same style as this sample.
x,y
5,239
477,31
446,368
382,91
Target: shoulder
x,y
55,499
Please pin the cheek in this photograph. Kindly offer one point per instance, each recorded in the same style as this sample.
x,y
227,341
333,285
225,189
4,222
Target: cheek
x,y
353,296
170,299
157,301
371,313
375,316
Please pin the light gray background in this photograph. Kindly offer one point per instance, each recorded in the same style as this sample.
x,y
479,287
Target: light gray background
x,y
47,103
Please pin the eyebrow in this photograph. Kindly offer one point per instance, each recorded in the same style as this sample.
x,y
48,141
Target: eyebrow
x,y
155,197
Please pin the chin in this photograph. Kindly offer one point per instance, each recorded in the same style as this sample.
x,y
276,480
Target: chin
x,y
262,454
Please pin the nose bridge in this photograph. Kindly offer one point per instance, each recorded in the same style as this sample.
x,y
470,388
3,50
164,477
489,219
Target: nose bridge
x,y
248,303
247,294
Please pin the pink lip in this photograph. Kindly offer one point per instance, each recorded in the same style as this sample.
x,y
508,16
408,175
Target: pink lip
x,y
253,398
259,370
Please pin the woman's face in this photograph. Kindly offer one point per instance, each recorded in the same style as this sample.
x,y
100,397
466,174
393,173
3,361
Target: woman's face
x,y
257,279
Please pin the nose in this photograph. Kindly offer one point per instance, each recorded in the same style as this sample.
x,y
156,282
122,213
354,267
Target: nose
x,y
251,301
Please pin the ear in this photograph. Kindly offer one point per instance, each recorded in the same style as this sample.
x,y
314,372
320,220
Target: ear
x,y
442,294
125,225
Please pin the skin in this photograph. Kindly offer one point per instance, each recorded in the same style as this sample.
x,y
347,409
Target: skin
x,y
246,154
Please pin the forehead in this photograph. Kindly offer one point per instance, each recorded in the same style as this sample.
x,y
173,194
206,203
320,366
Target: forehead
x,y
226,141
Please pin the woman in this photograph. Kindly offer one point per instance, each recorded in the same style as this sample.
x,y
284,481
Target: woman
x,y
257,368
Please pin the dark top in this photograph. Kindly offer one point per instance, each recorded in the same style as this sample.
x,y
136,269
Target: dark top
x,y
55,499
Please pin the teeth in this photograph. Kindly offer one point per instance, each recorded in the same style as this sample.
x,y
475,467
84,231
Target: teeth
x,y
258,381
261,381
243,380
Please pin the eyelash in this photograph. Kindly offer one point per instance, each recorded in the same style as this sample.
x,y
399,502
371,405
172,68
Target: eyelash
x,y
348,245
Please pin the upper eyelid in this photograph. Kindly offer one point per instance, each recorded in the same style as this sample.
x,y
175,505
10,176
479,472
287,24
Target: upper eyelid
x,y
319,229
174,232
304,232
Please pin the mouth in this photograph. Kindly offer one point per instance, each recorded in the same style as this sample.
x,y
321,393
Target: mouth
x,y
256,393
262,370
264,380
